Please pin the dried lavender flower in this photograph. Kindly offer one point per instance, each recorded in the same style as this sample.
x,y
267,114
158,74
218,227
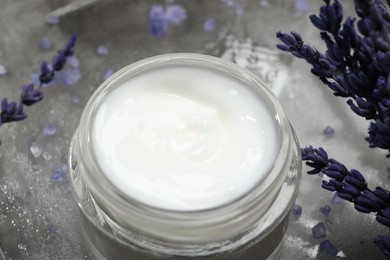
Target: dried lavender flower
x,y
158,25
11,111
175,14
356,64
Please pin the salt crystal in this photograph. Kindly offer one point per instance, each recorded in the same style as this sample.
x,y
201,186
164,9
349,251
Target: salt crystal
x,y
58,175
3,70
73,62
296,211
325,210
336,200
52,229
52,20
319,231
209,25
35,150
328,131
108,74
47,156
70,77
22,247
102,50
45,43
49,130
326,247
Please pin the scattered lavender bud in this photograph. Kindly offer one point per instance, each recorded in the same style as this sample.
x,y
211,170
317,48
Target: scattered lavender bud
x,y
45,43
35,150
49,130
47,156
325,210
102,50
336,200
296,211
3,70
73,62
52,20
108,74
301,6
69,77
52,229
175,14
327,248
158,25
328,131
319,231
209,25
265,4
58,175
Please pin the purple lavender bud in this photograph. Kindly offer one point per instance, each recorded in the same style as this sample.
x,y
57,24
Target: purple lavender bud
x,y
175,14
30,96
328,131
45,43
209,25
383,242
11,112
345,196
296,211
47,74
325,210
356,183
158,25
362,209
59,61
69,48
3,70
327,248
49,130
327,186
319,231
102,50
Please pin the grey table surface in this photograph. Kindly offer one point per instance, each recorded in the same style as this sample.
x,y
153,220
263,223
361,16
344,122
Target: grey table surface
x,y
38,215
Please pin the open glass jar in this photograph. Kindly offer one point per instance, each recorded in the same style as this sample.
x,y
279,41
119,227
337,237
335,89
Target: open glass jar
x,y
120,226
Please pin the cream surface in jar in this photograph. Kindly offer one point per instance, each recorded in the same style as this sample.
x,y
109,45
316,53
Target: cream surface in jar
x,y
184,138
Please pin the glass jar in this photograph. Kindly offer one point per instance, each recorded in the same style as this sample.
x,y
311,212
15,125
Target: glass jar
x,y
118,227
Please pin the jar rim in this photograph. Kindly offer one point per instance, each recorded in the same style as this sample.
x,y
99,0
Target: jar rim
x,y
107,193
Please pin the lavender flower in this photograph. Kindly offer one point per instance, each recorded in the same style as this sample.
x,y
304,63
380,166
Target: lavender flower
x,y
175,14
158,25
209,25
11,111
30,95
383,242
45,43
357,63
349,185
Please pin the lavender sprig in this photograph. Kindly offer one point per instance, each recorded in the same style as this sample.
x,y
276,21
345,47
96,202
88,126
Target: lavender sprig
x,y
356,64
30,94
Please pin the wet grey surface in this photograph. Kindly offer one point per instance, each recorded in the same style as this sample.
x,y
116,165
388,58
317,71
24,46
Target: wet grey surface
x,y
38,215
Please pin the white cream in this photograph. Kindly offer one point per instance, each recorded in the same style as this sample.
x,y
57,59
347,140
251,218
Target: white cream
x,y
184,138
